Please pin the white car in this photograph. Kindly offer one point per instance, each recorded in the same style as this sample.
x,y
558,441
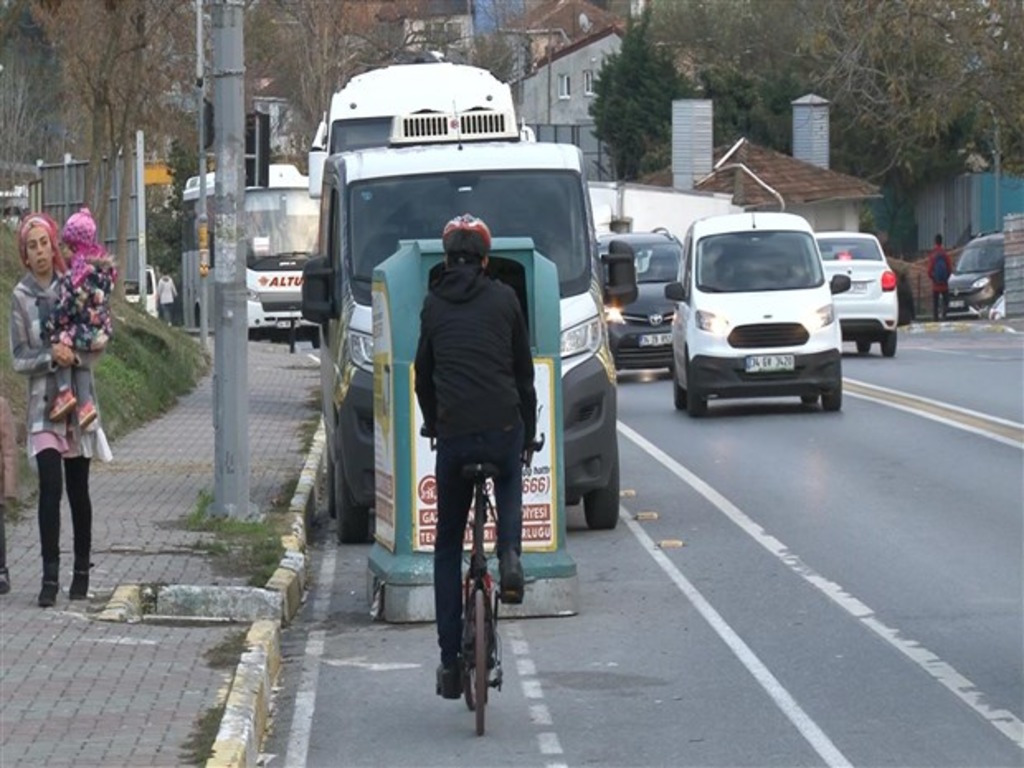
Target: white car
x,y
754,314
869,311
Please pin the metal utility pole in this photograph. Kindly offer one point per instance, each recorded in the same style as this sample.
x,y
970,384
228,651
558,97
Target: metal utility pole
x,y
202,222
231,358
999,176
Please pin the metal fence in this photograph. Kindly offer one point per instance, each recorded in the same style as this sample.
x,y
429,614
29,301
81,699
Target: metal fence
x,y
597,158
60,191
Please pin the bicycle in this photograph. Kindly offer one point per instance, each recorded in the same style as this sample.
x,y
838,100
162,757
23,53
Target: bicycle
x,y
481,646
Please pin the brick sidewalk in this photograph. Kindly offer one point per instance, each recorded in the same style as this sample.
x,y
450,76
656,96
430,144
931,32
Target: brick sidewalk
x,y
75,691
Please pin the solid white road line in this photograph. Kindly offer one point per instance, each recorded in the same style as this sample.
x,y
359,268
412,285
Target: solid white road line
x,y
297,753
816,737
1004,721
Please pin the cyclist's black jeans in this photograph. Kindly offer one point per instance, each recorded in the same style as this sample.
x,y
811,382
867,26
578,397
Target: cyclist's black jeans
x,y
454,499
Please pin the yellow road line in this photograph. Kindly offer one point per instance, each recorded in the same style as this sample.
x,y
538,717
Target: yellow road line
x,y
978,422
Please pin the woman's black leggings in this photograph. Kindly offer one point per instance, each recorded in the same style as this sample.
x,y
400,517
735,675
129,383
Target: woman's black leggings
x,y
51,482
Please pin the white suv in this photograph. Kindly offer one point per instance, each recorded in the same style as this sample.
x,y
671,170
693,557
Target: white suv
x,y
869,311
754,314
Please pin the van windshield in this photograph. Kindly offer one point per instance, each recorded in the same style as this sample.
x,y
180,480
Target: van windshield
x,y
545,205
981,257
758,261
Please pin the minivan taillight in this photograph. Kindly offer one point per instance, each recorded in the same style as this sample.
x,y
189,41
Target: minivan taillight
x,y
888,280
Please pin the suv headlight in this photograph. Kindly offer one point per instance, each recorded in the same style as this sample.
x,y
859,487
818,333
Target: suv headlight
x,y
821,318
360,348
585,337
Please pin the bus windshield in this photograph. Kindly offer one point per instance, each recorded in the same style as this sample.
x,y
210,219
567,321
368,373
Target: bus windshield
x,y
350,135
280,226
546,205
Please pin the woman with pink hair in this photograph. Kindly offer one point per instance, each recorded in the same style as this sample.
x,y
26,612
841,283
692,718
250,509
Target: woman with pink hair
x,y
61,448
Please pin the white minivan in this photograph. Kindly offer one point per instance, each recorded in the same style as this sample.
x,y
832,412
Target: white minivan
x,y
754,314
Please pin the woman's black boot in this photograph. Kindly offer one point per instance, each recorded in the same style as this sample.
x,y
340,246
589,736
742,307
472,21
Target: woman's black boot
x,y
51,585
80,582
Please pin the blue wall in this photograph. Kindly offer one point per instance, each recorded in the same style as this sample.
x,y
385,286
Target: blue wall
x,y
1011,200
486,13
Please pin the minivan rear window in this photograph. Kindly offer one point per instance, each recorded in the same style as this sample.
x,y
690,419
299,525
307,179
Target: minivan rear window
x,y
849,249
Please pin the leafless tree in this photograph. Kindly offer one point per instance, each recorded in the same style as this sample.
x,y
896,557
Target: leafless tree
x,y
119,68
22,115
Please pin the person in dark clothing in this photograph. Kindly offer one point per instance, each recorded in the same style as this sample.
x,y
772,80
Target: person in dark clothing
x,y
474,384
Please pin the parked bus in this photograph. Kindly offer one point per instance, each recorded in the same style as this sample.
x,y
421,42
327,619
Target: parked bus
x,y
280,230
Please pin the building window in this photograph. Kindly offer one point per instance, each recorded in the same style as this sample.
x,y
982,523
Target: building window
x,y
588,82
442,33
563,87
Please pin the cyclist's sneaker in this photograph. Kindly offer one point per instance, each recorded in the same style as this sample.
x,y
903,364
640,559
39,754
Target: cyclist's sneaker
x,y
511,577
449,681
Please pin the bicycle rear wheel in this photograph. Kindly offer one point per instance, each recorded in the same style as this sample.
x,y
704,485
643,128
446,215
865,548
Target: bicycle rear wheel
x,y
480,671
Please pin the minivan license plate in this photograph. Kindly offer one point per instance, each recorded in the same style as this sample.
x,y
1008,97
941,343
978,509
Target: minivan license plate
x,y
769,363
655,339
956,304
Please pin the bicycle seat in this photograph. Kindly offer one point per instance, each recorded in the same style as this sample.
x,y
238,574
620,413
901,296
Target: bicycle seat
x,y
479,471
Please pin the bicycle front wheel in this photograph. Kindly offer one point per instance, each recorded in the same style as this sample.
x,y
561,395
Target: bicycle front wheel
x,y
480,672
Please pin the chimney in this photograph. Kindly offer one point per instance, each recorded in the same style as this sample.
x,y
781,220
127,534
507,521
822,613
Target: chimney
x,y
691,141
810,130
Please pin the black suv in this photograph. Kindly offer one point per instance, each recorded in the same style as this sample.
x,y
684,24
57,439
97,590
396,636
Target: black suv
x,y
977,279
641,333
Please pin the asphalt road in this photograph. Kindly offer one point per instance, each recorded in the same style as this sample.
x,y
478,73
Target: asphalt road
x,y
787,587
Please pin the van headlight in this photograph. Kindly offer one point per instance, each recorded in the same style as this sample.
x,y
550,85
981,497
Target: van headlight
x,y
252,295
583,338
711,323
360,349
821,318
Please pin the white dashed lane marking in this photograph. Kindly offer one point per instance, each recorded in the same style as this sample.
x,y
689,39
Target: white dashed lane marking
x,y
540,715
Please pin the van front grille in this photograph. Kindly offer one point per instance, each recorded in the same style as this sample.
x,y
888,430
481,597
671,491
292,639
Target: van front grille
x,y
768,335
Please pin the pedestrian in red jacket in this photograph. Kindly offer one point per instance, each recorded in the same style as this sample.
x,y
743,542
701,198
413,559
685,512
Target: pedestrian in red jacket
x,y
940,267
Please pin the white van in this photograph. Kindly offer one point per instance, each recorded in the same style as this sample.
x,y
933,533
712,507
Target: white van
x,y
131,291
374,198
361,114
754,314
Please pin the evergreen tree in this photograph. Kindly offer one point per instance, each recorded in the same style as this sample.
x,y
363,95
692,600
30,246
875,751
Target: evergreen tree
x,y
632,106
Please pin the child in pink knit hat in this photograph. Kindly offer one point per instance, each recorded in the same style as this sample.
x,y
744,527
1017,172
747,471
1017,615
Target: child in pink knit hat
x,y
81,315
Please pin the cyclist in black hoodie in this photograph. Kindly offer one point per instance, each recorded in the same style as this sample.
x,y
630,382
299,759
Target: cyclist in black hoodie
x,y
474,383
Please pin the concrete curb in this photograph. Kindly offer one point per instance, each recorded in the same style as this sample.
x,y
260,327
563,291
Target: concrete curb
x,y
247,711
125,605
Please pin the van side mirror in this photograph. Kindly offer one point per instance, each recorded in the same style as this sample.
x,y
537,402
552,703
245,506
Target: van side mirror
x,y
674,292
839,284
318,304
620,269
317,160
